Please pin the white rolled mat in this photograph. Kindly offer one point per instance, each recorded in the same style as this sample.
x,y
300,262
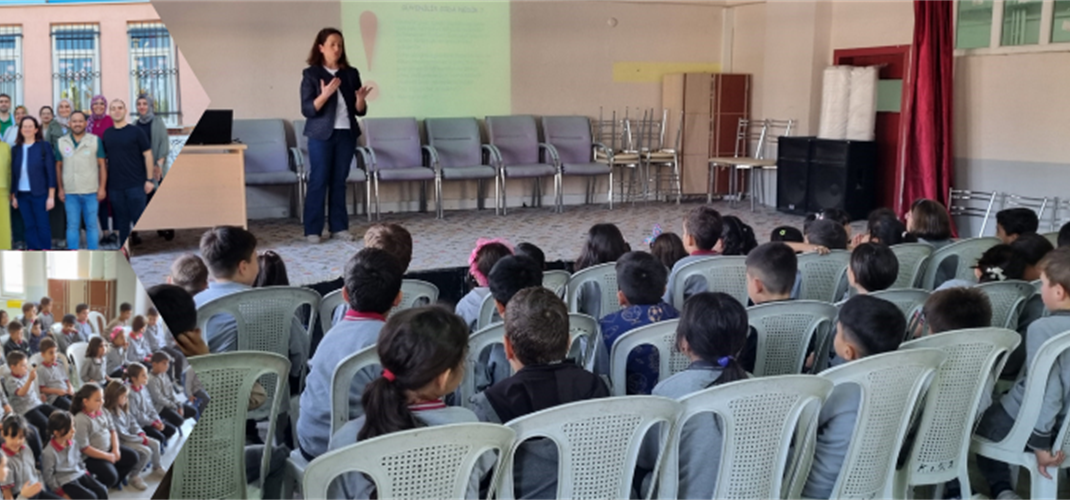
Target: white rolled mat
x,y
862,104
835,97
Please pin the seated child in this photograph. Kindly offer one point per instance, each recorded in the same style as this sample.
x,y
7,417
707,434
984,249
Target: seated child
x,y
786,234
372,288
532,252
772,271
37,332
29,314
126,313
480,262
15,341
641,281
22,479
61,462
873,267
604,244
737,237
22,392
45,315
115,358
162,391
712,334
1011,223
174,302
81,316
884,227
956,309
828,234
52,378
160,340
394,238
69,333
999,418
272,271
131,435
536,343
509,276
1032,247
703,227
422,351
867,326
105,457
928,222
1064,235
668,248
94,369
137,349
141,407
189,272
999,263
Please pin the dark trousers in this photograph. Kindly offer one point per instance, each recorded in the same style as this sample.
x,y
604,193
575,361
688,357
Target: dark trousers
x,y
18,228
57,218
118,373
111,474
995,424
85,488
328,168
34,442
172,417
38,417
62,402
161,436
128,205
35,220
104,213
44,495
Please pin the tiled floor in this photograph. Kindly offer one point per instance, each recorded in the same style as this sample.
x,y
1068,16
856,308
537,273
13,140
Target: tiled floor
x,y
168,458
448,242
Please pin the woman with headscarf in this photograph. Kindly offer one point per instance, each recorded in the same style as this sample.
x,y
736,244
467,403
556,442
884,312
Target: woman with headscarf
x,y
156,131
55,124
99,121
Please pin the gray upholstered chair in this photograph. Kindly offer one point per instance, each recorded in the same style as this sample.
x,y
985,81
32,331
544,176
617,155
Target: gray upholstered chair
x,y
572,150
457,152
392,153
514,142
356,174
267,159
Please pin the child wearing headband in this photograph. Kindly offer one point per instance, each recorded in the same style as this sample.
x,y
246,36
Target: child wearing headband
x,y
486,253
115,358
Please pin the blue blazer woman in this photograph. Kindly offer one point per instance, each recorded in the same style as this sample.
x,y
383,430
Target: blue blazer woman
x,y
41,171
330,150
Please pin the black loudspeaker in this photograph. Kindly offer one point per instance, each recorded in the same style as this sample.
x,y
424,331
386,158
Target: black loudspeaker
x,y
791,192
815,174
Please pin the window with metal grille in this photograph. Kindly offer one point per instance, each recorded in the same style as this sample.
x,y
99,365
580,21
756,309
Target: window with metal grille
x,y
76,63
154,70
11,62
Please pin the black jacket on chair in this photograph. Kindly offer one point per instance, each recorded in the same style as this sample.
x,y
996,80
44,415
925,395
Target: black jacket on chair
x,y
320,124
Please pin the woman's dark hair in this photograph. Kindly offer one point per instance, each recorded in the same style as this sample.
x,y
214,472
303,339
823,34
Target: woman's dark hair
x,y
605,243
930,220
272,271
668,248
19,139
715,327
532,252
737,236
315,57
884,227
49,108
999,263
112,391
416,346
13,425
85,392
60,422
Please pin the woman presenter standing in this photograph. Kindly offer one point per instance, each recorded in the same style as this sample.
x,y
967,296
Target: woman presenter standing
x,y
332,98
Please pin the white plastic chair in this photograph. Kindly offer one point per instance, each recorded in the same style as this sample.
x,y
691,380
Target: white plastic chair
x,y
727,274
908,300
661,335
761,419
428,462
328,304
1007,298
97,322
785,331
585,334
487,309
211,463
413,291
556,280
912,258
1010,449
598,443
605,275
76,355
891,385
966,252
940,451
480,340
824,277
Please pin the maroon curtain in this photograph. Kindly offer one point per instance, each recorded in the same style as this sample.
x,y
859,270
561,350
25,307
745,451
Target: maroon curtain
x,y
927,166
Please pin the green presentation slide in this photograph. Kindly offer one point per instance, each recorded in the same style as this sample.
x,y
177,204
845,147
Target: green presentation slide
x,y
431,59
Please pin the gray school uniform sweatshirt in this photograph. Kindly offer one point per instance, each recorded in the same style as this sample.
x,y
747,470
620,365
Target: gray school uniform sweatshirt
x,y
162,392
115,358
696,284
836,423
93,430
158,337
126,427
355,485
52,377
94,370
343,340
469,306
22,468
59,467
137,349
63,341
141,407
84,331
1058,387
21,404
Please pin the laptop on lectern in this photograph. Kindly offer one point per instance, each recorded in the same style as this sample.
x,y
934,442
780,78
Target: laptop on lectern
x,y
213,129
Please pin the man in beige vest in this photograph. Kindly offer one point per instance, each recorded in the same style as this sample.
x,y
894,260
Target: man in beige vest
x,y
82,175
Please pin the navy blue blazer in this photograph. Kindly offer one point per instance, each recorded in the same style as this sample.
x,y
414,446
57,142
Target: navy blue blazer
x,y
40,165
320,124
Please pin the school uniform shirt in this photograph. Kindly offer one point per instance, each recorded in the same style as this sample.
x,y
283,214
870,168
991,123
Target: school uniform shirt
x,y
126,426
22,469
694,284
47,320
115,358
162,392
94,370
35,341
470,305
21,404
355,485
12,346
158,338
642,366
221,331
125,150
836,423
64,340
355,332
701,438
140,406
1057,391
53,376
84,330
61,465
137,349
532,389
27,323
93,429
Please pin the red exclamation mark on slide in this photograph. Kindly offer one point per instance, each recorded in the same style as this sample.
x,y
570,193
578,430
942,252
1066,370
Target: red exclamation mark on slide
x,y
369,32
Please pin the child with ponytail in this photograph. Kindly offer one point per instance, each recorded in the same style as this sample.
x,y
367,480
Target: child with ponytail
x,y
712,332
105,457
422,353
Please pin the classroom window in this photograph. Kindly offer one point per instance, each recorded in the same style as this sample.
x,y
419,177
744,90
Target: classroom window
x,y
11,274
1060,23
1013,26
76,63
1021,22
11,62
62,265
974,29
154,69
